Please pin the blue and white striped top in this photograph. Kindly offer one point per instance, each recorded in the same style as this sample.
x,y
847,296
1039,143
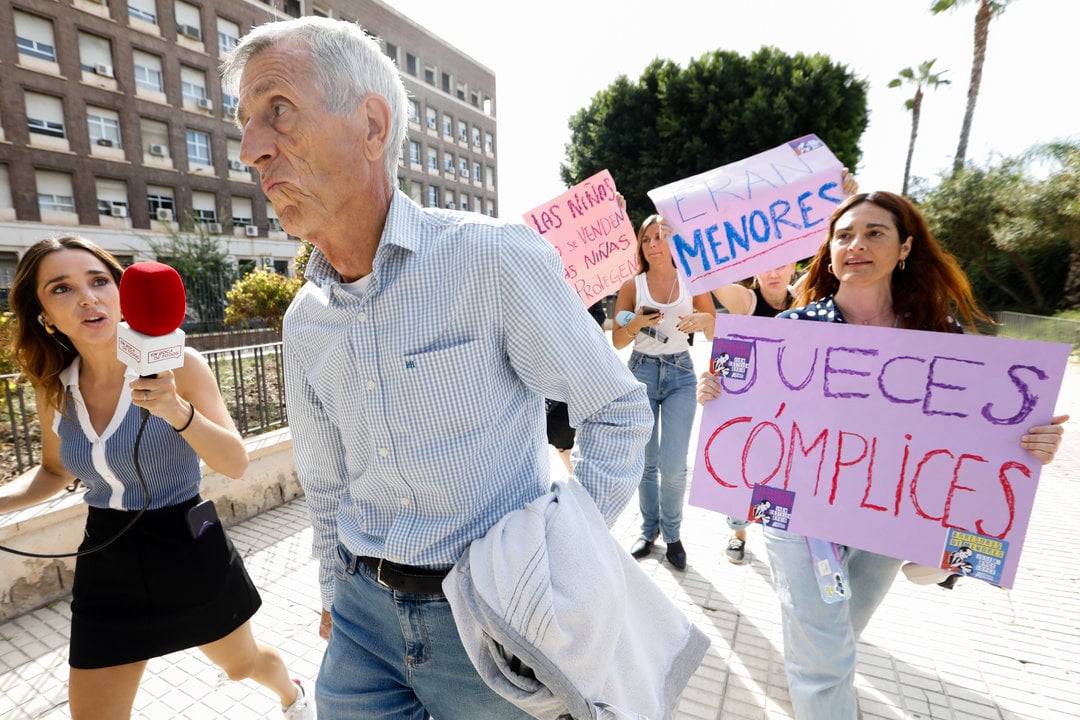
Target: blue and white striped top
x,y
105,463
416,396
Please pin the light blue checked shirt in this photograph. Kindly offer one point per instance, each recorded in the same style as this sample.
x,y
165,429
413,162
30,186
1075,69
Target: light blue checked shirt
x,y
417,406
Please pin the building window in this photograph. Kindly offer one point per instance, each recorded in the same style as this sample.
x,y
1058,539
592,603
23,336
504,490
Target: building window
x,y
433,159
145,10
188,21
45,115
461,91
229,103
432,119
429,75
448,163
490,208
148,72
464,201
432,196
463,168
391,52
198,148
34,36
203,217
228,35
476,136
446,83
414,111
95,55
103,126
414,153
45,127
476,172
462,131
489,173
448,126
410,64
159,199
59,203
192,85
489,142
475,99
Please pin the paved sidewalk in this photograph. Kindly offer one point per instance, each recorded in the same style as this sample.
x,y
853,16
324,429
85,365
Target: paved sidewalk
x,y
973,652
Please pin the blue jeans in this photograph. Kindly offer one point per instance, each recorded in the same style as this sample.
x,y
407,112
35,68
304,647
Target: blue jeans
x,y
820,637
672,389
398,655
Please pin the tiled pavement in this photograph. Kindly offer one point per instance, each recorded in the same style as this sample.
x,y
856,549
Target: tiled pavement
x,y
973,652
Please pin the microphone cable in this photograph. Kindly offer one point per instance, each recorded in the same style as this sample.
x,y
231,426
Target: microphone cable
x,y
144,416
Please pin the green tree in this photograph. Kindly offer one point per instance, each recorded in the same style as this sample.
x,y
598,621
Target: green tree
x,y
1009,231
673,123
206,268
986,11
260,295
923,77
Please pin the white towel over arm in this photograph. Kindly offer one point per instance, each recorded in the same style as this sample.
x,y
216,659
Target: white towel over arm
x,y
549,586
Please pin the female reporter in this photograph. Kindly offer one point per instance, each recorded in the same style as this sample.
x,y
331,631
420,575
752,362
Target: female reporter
x,y
878,265
156,588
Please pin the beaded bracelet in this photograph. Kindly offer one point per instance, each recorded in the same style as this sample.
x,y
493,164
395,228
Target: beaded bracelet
x,y
190,418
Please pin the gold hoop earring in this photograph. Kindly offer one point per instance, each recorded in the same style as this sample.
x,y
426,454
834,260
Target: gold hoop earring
x,y
829,268
901,264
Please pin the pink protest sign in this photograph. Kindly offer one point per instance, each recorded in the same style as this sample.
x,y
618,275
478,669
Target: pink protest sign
x,y
593,235
902,442
752,215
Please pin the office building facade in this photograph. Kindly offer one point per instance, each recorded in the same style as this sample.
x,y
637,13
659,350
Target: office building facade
x,y
113,124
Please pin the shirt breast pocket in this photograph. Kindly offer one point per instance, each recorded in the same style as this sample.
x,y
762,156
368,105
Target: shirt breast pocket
x,y
441,390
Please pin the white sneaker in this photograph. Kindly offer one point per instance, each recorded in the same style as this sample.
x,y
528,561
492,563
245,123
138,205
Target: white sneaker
x,y
302,708
924,574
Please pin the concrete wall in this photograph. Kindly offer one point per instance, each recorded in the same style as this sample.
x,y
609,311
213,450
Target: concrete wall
x,y
57,526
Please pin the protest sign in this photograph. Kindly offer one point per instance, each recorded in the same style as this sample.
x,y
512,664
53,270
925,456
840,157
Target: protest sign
x,y
753,215
593,235
902,442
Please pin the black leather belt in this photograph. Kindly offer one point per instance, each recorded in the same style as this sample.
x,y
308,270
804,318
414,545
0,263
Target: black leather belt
x,y
406,578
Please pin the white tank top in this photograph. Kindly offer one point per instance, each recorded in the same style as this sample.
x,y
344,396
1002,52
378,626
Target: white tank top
x,y
682,306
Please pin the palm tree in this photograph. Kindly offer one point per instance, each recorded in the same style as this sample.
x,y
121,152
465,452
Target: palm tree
x,y
987,10
921,78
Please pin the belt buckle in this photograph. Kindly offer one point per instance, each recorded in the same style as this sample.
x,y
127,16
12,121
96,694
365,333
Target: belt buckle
x,y
378,575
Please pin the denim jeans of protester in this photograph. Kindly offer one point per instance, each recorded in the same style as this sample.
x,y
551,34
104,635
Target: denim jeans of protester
x,y
672,389
820,637
398,655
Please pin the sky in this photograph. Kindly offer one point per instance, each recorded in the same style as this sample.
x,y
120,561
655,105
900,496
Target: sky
x,y
551,58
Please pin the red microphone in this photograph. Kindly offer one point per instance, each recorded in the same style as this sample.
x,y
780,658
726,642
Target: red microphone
x,y
153,302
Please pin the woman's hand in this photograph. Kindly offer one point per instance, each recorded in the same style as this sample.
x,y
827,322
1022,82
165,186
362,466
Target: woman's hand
x,y
1043,441
848,182
708,387
158,395
693,322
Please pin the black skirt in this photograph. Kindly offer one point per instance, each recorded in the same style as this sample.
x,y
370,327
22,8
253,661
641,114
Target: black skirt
x,y
156,589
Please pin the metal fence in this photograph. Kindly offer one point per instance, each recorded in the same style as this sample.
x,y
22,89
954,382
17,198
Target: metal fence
x,y
1038,327
251,379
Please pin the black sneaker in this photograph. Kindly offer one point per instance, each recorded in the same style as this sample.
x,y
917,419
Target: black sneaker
x,y
736,550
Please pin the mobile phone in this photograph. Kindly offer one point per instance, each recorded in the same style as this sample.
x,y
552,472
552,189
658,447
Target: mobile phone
x,y
649,310
201,518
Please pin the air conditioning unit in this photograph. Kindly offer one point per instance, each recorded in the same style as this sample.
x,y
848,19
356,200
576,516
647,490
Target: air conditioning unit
x,y
268,263
104,142
189,31
213,228
251,231
158,150
205,103
104,70
164,214
118,210
237,166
